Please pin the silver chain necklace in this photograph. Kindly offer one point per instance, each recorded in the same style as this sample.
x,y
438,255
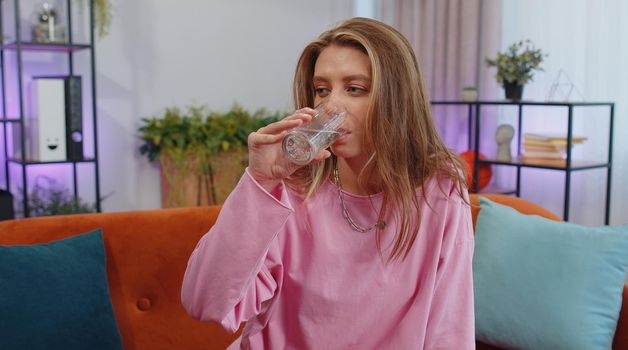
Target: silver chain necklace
x,y
345,212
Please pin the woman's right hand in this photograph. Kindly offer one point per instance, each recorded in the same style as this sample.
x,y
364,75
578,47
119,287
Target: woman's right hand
x,y
267,163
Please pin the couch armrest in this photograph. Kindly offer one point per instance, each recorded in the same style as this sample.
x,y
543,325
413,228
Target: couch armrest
x,y
621,334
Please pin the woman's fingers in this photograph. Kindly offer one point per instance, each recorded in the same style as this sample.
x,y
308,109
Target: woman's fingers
x,y
322,155
281,126
259,139
275,132
306,110
299,117
304,114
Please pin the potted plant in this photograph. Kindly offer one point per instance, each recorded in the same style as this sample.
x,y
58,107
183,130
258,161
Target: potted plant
x,y
469,93
202,153
55,199
102,16
103,13
516,66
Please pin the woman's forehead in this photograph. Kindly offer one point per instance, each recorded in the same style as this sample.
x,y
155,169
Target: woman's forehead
x,y
342,61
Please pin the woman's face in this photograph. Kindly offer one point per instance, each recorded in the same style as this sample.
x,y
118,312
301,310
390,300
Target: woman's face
x,y
342,75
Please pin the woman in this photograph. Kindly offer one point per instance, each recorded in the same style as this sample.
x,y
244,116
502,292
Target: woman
x,y
367,247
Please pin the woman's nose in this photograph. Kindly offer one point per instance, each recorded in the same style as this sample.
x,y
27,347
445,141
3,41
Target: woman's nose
x,y
335,99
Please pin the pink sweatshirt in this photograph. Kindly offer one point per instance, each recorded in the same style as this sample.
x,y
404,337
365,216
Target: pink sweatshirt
x,y
302,278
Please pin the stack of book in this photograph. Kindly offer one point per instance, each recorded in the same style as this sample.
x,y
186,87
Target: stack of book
x,y
547,147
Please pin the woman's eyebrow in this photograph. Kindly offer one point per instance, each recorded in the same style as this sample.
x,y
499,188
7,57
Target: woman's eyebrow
x,y
361,77
353,77
318,78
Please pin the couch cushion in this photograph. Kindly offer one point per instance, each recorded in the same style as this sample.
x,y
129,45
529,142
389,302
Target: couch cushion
x,y
146,252
55,296
541,284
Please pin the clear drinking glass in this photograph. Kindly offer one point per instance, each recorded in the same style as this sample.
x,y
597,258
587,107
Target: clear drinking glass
x,y
303,143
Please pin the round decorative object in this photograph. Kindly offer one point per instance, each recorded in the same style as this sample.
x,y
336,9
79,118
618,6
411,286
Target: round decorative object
x,y
77,136
485,172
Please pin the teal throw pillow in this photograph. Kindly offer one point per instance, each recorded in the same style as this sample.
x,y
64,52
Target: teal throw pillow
x,y
541,284
56,296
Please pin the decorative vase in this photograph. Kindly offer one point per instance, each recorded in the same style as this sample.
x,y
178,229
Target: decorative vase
x,y
513,90
183,184
469,94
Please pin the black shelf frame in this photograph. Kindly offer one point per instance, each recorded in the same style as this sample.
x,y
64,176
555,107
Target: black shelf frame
x,y
68,48
33,162
48,47
569,166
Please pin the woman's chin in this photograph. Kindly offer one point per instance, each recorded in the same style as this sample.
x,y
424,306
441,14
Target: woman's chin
x,y
336,150
342,151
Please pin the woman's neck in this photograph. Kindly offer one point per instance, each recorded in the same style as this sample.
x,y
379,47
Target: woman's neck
x,y
349,172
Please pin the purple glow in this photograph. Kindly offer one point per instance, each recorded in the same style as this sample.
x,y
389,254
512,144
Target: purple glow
x,y
45,64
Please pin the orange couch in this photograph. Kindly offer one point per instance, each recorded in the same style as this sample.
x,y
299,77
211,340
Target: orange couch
x,y
147,252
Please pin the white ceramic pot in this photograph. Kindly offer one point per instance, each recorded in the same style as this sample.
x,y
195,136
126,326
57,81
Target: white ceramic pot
x,y
469,95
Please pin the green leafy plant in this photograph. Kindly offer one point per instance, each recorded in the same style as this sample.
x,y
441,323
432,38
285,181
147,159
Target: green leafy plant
x,y
188,142
103,13
55,199
518,63
200,130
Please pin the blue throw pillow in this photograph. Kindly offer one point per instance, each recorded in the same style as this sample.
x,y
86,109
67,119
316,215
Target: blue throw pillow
x,y
541,284
56,296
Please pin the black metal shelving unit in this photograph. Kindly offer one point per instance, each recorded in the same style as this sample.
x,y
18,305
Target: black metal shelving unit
x,y
474,109
18,45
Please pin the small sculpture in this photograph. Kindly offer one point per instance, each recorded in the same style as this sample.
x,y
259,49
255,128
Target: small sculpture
x,y
48,29
503,136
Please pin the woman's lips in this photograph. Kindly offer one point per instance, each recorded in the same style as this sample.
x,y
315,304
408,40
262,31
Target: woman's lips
x,y
343,135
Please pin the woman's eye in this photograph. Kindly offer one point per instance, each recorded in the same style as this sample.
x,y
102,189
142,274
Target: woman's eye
x,y
321,91
356,90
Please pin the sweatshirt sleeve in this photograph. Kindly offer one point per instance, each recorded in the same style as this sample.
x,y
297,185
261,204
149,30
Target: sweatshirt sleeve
x,y
235,269
451,323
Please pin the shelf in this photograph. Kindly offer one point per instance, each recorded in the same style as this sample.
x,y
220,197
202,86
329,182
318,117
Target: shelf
x,y
475,109
50,47
520,103
73,50
548,164
10,120
496,189
30,162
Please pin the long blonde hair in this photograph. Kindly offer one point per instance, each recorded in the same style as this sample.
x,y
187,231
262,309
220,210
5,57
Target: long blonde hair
x,y
399,125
